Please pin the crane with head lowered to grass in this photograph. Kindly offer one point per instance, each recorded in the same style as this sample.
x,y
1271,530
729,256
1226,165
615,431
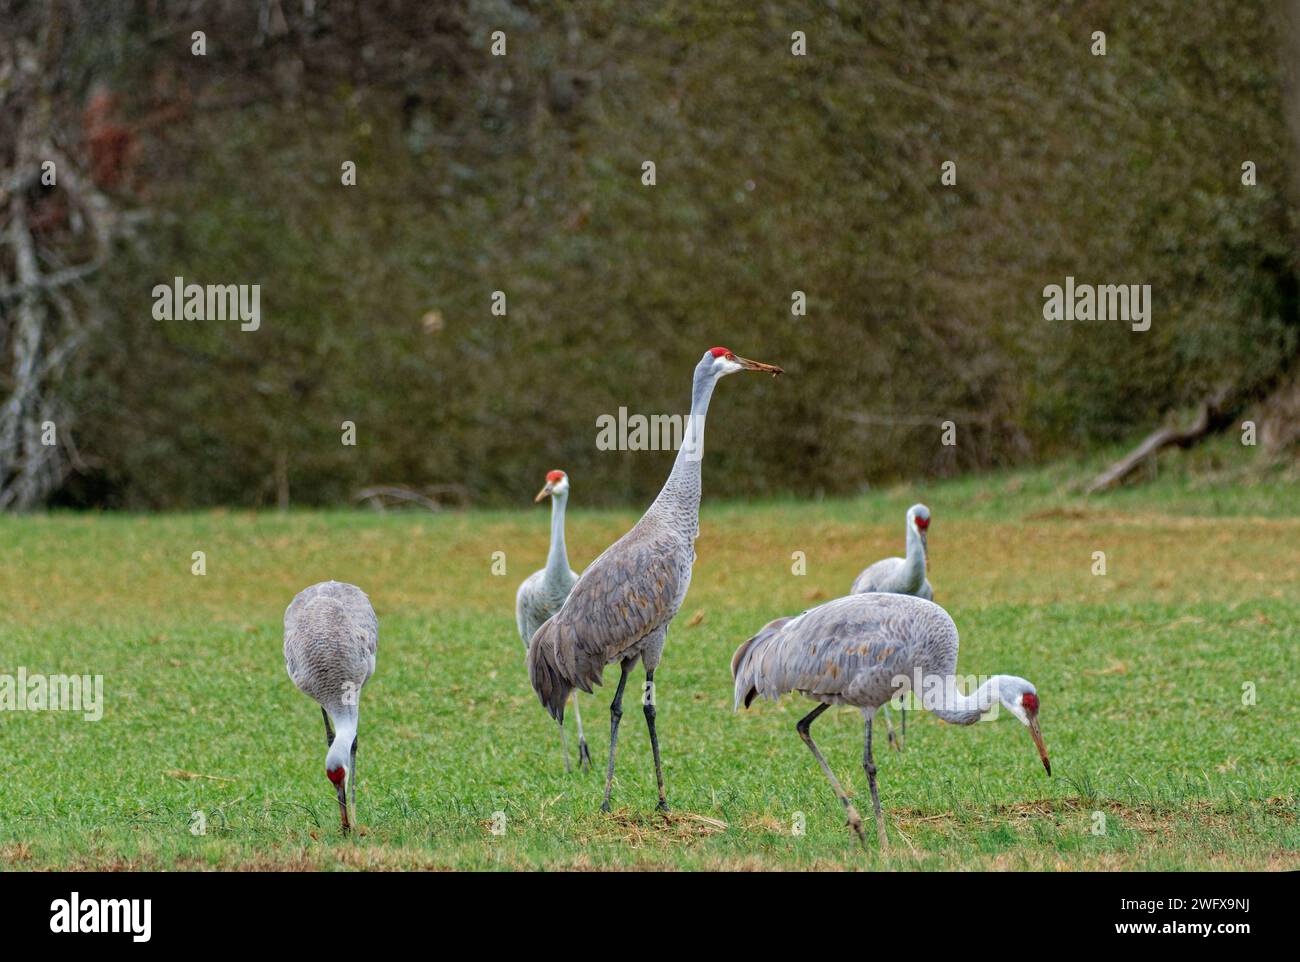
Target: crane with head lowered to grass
x,y
861,650
331,637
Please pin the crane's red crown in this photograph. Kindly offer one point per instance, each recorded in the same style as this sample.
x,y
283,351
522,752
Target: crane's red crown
x,y
335,775
1029,701
555,476
923,523
720,351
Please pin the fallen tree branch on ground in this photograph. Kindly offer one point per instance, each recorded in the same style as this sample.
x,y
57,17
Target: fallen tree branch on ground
x,y
1213,415
434,497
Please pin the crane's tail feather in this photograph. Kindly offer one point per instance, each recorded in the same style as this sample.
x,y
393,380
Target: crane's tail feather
x,y
745,690
545,673
744,668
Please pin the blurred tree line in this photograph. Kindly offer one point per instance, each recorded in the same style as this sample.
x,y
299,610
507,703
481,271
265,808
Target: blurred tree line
x,y
775,173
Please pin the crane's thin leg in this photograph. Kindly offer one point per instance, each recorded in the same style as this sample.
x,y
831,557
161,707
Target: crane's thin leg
x,y
615,713
805,732
902,717
889,728
870,765
564,747
329,729
648,703
584,754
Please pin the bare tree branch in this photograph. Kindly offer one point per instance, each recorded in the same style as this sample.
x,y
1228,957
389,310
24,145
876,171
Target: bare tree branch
x,y
1212,415
43,316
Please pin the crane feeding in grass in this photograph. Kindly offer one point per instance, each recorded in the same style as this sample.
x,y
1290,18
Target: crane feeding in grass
x,y
620,608
331,636
543,592
901,576
860,650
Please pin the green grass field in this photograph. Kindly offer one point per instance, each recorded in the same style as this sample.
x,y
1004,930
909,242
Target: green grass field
x,y
1140,671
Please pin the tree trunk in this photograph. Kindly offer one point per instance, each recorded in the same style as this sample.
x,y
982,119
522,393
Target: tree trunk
x,y
43,314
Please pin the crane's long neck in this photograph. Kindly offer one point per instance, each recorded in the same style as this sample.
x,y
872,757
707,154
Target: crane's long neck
x,y
914,562
345,732
682,490
958,709
557,562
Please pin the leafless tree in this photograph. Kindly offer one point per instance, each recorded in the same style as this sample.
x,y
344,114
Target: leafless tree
x,y
57,228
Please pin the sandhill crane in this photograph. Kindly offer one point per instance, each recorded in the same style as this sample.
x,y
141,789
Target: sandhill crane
x,y
861,649
331,636
621,606
544,591
901,576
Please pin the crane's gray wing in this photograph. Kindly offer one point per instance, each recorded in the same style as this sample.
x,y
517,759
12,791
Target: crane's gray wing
x,y
878,576
633,588
849,650
353,601
331,636
528,614
538,598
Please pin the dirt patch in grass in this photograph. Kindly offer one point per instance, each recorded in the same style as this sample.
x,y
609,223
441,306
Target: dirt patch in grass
x,y
1149,820
637,829
14,853
1066,514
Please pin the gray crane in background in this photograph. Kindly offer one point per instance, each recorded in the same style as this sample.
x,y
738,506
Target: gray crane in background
x,y
543,592
859,650
901,576
621,606
331,636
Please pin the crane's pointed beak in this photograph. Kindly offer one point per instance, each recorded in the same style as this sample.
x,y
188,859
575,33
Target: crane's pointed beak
x,y
345,810
1038,740
545,492
749,365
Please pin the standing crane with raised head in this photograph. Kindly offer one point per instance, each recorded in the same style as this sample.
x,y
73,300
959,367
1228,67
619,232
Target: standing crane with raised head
x,y
860,650
331,636
620,608
543,592
901,576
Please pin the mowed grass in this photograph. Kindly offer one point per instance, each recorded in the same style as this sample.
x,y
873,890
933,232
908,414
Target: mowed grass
x,y
1157,762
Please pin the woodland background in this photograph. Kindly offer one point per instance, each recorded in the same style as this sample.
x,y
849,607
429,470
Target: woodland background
x,y
522,173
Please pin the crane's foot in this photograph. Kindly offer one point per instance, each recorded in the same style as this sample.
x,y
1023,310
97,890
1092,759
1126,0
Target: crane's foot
x,y
880,831
584,755
662,806
855,823
604,806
